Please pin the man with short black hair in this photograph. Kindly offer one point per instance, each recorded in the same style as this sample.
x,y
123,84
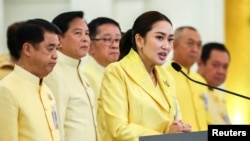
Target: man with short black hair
x,y
74,96
105,35
213,67
27,106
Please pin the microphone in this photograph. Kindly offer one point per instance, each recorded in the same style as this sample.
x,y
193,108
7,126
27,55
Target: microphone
x,y
177,67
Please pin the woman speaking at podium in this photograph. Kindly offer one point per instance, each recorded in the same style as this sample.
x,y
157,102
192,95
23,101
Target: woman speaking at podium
x,y
137,96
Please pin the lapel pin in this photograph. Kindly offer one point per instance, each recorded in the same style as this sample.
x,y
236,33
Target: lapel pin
x,y
166,83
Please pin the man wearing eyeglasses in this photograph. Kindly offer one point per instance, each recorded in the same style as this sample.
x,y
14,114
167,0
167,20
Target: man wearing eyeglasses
x,y
105,35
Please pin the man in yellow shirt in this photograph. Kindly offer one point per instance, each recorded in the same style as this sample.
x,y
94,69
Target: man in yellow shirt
x,y
213,67
186,52
27,106
105,34
74,96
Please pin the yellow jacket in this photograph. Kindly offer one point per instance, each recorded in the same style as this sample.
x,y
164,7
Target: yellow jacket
x,y
75,100
129,105
6,66
215,104
94,73
28,111
189,95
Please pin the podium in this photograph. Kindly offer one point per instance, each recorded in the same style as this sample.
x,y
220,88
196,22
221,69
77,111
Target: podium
x,y
191,136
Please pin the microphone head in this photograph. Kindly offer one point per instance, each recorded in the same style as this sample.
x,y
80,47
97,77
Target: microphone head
x,y
176,66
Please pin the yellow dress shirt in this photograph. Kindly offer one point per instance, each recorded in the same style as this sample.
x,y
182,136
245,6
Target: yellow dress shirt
x,y
215,104
130,105
6,66
189,95
75,100
28,110
94,73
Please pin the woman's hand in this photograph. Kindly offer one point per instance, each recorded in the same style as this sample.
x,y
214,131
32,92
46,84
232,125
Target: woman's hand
x,y
178,126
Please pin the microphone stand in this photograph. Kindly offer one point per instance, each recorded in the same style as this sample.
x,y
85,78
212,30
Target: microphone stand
x,y
233,93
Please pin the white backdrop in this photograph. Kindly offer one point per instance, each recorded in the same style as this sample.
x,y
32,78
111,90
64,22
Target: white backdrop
x,y
206,15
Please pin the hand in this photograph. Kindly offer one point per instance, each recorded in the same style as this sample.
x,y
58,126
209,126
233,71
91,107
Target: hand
x,y
186,127
178,126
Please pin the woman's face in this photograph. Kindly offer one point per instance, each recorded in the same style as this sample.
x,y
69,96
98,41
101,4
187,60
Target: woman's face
x,y
155,46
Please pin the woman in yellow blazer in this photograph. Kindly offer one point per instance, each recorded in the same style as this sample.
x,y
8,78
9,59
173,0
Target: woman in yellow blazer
x,y
137,95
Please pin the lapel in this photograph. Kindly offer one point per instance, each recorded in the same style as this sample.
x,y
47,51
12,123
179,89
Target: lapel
x,y
134,67
166,84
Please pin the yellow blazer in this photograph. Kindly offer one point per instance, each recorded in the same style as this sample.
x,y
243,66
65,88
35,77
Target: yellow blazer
x,y
129,105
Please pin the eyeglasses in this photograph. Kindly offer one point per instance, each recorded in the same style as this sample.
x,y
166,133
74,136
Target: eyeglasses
x,y
107,41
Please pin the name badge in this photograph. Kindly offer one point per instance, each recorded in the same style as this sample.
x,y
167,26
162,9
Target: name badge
x,y
55,117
